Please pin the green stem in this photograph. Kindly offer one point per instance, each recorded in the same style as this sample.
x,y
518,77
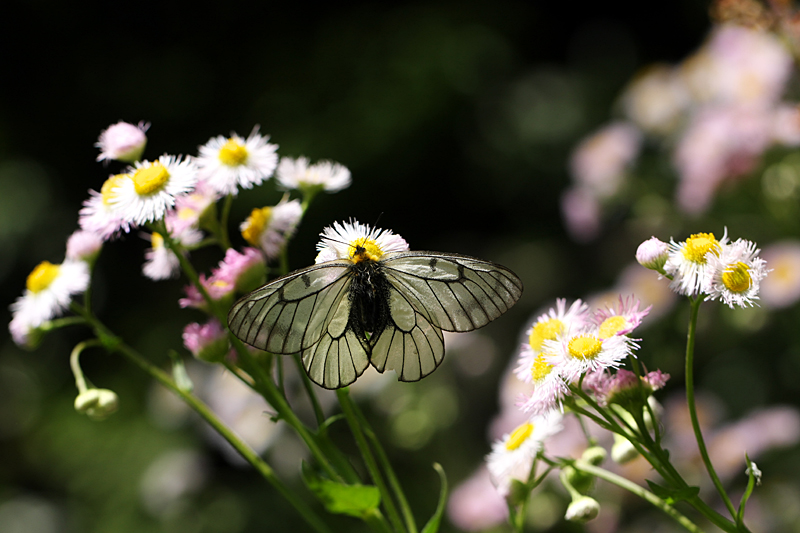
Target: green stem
x,y
637,490
74,363
309,387
405,508
203,410
224,240
348,409
690,400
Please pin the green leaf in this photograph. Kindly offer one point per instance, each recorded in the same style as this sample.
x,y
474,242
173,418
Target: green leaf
x,y
433,524
672,496
518,492
340,498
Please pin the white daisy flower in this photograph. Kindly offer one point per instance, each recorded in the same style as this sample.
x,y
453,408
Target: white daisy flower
x,y
152,188
342,241
268,228
512,456
576,354
549,387
49,290
324,175
548,326
620,321
688,261
122,141
99,214
229,163
735,274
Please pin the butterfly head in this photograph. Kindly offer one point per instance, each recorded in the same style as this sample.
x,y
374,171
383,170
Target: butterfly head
x,y
364,249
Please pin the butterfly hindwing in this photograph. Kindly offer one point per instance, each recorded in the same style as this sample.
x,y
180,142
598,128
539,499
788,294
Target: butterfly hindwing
x,y
409,344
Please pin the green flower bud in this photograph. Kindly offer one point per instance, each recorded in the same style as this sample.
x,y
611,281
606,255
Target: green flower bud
x,y
97,404
582,509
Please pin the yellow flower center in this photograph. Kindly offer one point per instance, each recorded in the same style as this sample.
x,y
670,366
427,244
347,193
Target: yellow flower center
x,y
540,368
156,240
583,347
611,326
148,180
233,154
255,224
698,245
518,436
42,276
364,249
186,213
108,188
736,278
545,331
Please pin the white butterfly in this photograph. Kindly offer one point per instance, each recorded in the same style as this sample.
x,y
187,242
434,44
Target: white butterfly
x,y
366,303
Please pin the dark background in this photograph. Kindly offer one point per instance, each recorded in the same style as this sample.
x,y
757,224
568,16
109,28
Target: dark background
x,y
456,120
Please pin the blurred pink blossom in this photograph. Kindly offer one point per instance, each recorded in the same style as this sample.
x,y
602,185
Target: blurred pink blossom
x,y
475,504
581,211
781,288
600,160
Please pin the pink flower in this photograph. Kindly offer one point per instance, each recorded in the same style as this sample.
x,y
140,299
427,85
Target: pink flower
x,y
782,287
207,342
83,246
720,143
599,162
620,321
244,270
475,505
122,141
217,290
581,211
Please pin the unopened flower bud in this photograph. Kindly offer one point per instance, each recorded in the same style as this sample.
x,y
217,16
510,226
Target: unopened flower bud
x,y
582,509
122,141
652,254
623,451
97,404
594,455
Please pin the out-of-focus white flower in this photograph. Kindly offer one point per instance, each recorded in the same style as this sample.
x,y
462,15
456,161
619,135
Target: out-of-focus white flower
x,y
688,261
160,263
268,228
657,99
720,142
512,456
49,290
786,125
341,241
122,141
782,287
324,175
99,214
226,164
580,209
739,65
600,160
735,274
152,188
190,209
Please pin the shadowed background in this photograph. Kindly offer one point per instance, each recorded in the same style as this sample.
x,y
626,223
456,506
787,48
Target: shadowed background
x,y
456,121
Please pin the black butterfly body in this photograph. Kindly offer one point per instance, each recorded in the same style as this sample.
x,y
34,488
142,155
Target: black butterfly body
x,y
344,315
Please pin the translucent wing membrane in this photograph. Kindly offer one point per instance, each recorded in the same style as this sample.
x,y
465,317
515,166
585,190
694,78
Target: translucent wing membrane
x,y
292,313
313,312
457,293
409,344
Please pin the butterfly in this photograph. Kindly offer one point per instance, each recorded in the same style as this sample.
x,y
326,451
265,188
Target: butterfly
x,y
369,300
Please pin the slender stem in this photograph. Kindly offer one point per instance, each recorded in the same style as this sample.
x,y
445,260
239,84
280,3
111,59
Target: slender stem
x,y
343,395
114,344
74,363
312,396
701,445
224,240
637,490
405,508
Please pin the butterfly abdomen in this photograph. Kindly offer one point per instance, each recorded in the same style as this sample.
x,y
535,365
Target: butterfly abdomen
x,y
369,297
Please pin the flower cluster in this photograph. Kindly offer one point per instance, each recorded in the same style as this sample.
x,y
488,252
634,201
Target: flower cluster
x,y
174,198
702,265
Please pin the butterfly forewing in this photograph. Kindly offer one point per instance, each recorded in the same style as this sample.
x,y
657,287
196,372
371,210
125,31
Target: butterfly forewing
x,y
459,293
292,313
